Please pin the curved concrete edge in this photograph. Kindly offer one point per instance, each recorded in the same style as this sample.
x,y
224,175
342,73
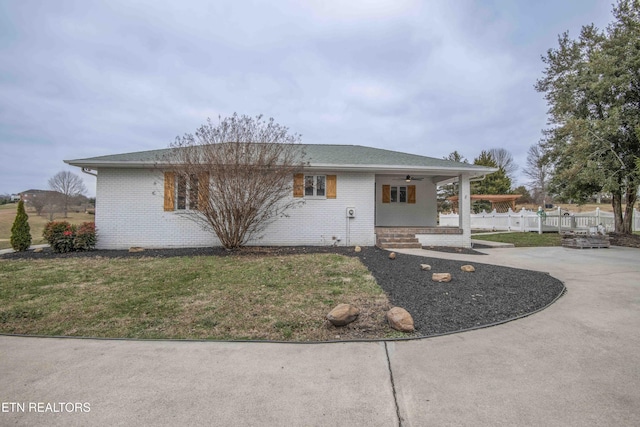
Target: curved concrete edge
x,y
491,244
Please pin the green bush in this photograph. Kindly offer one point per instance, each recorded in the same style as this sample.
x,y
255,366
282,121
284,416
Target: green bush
x,y
65,237
20,231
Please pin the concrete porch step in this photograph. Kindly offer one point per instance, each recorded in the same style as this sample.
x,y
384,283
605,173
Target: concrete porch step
x,y
398,241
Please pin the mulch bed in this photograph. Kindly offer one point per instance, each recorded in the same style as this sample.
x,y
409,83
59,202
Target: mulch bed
x,y
628,240
491,294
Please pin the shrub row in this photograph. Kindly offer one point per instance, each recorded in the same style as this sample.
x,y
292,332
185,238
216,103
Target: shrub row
x,y
65,237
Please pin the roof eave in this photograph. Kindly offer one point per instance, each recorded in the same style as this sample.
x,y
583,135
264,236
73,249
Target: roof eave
x,y
471,172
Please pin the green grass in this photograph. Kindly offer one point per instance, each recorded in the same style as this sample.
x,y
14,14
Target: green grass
x,y
36,223
523,239
235,297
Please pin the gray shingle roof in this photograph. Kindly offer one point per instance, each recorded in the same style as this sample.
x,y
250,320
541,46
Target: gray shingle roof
x,y
355,157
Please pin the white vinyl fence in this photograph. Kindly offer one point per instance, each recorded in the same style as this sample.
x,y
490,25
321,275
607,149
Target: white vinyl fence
x,y
526,220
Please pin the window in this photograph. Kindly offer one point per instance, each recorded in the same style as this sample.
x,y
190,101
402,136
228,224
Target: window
x,y
399,194
315,186
318,186
185,192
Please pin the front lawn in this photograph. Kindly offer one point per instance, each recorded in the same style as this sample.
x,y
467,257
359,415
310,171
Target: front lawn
x,y
279,297
522,239
36,223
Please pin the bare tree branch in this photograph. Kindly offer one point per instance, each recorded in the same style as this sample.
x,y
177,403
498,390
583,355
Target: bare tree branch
x,y
235,177
69,185
538,169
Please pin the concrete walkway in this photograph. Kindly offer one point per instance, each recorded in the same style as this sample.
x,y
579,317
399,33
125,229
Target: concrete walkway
x,y
574,364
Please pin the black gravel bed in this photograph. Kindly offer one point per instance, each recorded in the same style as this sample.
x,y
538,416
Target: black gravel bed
x,y
492,294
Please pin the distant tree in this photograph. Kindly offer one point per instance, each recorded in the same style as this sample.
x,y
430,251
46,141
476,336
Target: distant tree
x,y
20,231
456,157
524,193
504,160
538,170
69,185
495,183
237,176
448,190
592,87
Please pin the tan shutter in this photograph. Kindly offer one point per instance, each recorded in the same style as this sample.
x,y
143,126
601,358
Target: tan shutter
x,y
169,191
203,190
386,194
411,194
298,185
332,186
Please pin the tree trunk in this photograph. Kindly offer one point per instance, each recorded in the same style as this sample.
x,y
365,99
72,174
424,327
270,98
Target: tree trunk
x,y
616,202
630,200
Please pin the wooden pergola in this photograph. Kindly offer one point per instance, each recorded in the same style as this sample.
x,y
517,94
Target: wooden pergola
x,y
500,202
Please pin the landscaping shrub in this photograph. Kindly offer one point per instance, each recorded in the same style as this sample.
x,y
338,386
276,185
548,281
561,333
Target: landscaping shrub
x,y
65,237
20,231
85,238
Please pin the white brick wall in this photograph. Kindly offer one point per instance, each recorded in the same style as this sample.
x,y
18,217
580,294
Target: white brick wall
x,y
129,212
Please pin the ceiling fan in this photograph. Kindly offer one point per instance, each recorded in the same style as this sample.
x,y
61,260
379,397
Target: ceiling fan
x,y
409,178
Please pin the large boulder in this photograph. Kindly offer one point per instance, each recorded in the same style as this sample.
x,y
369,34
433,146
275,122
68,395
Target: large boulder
x,y
400,320
425,267
343,314
468,268
392,255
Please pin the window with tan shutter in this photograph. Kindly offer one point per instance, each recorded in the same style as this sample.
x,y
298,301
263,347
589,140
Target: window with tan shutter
x,y
332,187
315,186
298,185
399,194
182,192
386,194
169,191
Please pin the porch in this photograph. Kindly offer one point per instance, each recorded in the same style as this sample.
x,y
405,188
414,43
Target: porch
x,y
417,237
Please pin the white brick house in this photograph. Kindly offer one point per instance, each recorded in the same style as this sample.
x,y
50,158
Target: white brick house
x,y
370,194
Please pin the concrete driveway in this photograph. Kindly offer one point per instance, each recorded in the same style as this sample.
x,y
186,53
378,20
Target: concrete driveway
x,y
573,364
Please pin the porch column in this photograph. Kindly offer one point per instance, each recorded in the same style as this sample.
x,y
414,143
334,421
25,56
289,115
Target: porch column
x,y
464,209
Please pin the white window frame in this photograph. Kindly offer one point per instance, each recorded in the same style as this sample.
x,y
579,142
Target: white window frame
x,y
191,192
398,191
315,187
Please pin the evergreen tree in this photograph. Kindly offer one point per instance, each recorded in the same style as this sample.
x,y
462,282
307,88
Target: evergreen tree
x,y
20,231
592,86
495,183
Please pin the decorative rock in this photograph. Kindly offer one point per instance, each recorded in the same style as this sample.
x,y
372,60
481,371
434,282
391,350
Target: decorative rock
x,y
136,249
358,249
400,320
392,255
468,268
343,314
441,277
37,250
425,267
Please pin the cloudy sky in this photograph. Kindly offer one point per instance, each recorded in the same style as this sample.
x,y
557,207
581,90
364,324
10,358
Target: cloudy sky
x,y
87,78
